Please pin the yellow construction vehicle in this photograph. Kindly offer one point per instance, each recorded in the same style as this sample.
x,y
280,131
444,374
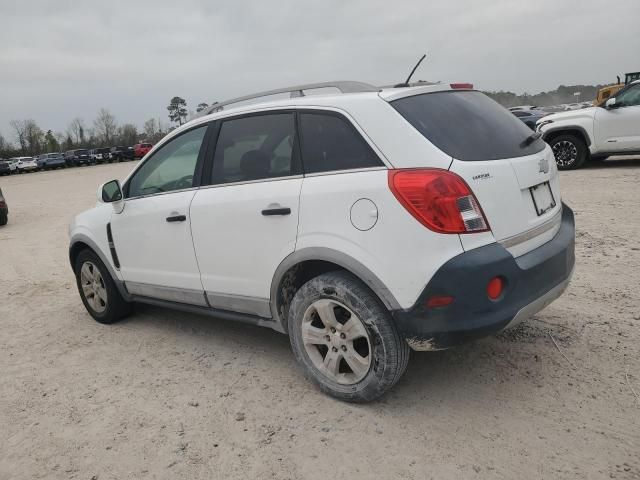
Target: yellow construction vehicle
x,y
610,90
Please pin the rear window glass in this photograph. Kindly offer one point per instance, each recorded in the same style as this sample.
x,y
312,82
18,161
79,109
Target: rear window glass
x,y
468,125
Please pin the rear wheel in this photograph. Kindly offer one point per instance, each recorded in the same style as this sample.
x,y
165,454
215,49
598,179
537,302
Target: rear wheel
x,y
345,339
97,289
569,151
3,219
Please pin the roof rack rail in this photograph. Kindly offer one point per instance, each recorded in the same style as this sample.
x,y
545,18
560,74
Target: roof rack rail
x,y
345,86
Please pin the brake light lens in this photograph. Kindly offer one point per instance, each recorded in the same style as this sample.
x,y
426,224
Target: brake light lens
x,y
464,86
439,199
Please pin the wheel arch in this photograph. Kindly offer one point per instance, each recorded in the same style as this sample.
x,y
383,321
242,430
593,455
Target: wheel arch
x,y
576,130
305,264
81,242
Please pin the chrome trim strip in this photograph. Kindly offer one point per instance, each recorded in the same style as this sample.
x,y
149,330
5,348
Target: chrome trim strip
x,y
239,303
538,304
179,295
248,182
160,193
534,232
351,170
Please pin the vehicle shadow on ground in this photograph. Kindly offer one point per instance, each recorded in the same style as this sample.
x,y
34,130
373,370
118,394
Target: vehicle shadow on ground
x,y
478,367
615,162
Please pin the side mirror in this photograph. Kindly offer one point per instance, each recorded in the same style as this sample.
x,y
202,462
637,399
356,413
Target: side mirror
x,y
611,103
111,192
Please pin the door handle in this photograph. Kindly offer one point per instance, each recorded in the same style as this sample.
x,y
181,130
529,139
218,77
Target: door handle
x,y
176,218
276,211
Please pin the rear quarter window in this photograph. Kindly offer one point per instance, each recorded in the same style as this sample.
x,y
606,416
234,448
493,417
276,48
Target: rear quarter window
x,y
330,143
468,125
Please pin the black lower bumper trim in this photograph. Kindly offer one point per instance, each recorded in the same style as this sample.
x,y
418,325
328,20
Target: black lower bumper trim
x,y
465,277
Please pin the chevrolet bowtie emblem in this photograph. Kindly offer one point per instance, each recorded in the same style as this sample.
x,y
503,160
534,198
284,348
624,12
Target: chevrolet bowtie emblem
x,y
543,165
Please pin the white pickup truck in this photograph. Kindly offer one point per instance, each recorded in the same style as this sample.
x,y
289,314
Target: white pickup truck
x,y
596,132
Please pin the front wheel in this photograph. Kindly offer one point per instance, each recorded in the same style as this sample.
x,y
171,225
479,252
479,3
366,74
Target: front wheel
x,y
97,289
345,339
569,151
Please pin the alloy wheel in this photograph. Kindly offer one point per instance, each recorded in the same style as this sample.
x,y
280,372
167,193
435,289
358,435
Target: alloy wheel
x,y
565,152
93,287
336,341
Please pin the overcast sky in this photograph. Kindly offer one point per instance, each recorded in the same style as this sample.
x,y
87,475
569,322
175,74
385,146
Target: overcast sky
x,y
64,59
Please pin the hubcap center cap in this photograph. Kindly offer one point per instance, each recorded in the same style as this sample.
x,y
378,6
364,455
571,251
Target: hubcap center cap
x,y
336,341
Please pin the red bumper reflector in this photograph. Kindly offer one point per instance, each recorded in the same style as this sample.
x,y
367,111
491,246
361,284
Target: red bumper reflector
x,y
495,288
439,301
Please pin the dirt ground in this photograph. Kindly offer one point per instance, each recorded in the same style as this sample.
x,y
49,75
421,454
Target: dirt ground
x,y
172,395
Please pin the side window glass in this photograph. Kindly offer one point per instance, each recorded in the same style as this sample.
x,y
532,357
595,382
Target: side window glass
x,y
629,98
171,168
255,148
331,143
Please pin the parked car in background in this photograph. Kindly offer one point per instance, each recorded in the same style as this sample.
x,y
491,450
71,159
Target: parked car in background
x,y
13,165
26,164
523,107
4,209
595,133
78,157
48,161
322,227
122,153
530,117
100,155
141,149
5,167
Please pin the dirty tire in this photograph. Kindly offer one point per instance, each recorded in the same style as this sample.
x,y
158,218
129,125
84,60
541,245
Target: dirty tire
x,y
116,307
4,219
570,151
389,352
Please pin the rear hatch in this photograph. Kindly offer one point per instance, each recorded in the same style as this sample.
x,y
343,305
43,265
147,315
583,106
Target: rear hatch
x,y
512,174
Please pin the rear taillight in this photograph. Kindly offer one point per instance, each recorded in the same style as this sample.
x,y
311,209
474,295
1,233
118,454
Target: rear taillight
x,y
438,199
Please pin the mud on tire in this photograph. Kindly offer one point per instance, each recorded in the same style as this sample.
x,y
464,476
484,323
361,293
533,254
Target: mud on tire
x,y
386,352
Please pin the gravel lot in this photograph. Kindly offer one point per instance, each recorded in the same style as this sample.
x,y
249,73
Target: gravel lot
x,y
172,395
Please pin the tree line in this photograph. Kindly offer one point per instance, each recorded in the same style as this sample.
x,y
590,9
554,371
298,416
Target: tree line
x,y
29,139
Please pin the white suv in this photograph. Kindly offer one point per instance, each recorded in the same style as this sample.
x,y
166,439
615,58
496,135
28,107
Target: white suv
x,y
596,132
360,223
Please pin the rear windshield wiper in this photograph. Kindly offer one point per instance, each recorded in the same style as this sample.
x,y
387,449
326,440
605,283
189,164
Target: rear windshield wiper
x,y
530,139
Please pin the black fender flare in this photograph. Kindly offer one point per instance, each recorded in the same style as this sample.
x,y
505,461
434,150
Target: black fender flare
x,y
584,133
333,256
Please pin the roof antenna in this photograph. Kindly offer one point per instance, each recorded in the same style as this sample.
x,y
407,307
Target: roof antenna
x,y
406,82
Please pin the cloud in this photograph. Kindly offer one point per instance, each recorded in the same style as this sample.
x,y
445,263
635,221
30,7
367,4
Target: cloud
x,y
64,59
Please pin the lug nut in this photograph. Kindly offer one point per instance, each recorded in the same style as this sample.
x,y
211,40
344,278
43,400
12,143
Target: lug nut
x,y
344,348
333,330
334,349
327,338
343,336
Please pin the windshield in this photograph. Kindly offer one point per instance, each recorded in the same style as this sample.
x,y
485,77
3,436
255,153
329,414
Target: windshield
x,y
468,125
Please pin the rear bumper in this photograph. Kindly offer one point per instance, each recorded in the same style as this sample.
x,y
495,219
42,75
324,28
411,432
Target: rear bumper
x,y
533,280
